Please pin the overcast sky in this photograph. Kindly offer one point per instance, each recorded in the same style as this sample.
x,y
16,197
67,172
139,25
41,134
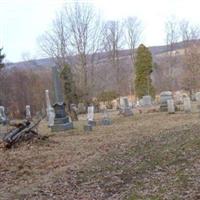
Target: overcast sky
x,y
23,21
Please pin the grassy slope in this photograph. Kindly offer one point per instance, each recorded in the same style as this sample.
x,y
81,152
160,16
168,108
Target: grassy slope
x,y
149,156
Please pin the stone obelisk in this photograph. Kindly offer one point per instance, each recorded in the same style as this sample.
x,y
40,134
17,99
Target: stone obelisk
x,y
61,121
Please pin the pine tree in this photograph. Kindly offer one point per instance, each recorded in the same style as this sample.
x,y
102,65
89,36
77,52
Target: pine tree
x,y
2,56
143,69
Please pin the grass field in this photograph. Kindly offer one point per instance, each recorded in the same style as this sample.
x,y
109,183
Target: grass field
x,y
148,156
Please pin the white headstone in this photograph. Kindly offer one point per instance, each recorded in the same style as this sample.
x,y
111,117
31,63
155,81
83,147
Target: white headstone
x,y
49,110
28,112
170,106
187,104
197,96
146,100
90,114
2,114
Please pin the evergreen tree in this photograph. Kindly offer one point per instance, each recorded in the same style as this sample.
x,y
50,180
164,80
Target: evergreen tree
x,y
2,56
143,69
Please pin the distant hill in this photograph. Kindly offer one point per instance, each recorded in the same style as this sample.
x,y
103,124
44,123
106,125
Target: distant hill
x,y
104,74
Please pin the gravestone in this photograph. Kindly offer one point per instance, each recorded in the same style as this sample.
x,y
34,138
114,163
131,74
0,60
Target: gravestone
x,y
126,109
146,100
170,106
81,108
49,110
3,118
164,97
197,97
187,104
28,112
61,120
90,116
106,119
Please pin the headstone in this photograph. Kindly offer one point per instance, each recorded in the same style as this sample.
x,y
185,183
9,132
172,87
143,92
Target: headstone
x,y
49,110
28,112
197,96
187,104
90,116
164,97
106,119
170,106
126,109
146,100
3,118
61,121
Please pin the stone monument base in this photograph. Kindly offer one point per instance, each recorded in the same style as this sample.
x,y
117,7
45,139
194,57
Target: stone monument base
x,y
61,127
127,112
92,123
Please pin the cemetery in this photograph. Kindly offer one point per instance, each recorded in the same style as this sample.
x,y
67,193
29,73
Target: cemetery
x,y
96,114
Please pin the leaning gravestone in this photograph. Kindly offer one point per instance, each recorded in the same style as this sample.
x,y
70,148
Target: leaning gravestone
x,y
164,97
146,100
187,104
28,112
61,121
49,110
170,106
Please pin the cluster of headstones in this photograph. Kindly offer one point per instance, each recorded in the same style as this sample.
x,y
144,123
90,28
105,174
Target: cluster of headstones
x,y
91,121
167,102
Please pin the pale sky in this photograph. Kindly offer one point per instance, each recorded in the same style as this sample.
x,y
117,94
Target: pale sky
x,y
23,21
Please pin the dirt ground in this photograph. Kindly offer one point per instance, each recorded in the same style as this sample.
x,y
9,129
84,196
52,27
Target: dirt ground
x,y
148,156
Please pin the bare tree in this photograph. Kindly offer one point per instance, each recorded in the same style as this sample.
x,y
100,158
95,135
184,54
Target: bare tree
x,y
133,35
172,37
113,42
190,35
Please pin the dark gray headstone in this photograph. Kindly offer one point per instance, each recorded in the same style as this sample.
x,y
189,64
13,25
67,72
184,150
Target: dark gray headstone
x,y
61,121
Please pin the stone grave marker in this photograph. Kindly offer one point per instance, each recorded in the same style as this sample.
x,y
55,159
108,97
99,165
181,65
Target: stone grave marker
x,y
164,97
106,119
146,100
126,109
28,112
170,106
49,110
90,116
187,104
3,118
61,120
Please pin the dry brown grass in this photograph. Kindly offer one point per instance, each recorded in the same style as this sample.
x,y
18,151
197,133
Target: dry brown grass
x,y
136,157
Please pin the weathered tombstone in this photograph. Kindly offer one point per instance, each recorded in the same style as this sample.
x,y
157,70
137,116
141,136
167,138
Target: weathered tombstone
x,y
61,121
49,110
126,109
106,119
90,116
28,112
164,97
3,118
197,96
187,104
170,106
146,100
